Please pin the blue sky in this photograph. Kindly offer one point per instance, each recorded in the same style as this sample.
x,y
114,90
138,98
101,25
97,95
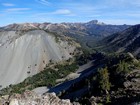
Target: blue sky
x,y
108,11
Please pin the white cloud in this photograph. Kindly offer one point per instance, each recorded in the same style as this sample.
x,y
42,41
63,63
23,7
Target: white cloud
x,y
8,4
62,12
16,9
44,2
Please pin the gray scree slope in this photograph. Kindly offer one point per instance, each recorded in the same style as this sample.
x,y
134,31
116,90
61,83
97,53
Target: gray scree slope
x,y
25,55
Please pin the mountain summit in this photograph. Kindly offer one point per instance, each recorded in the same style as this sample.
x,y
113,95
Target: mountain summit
x,y
95,22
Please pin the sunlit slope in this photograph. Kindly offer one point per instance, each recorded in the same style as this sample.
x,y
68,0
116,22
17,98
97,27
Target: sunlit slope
x,y
27,54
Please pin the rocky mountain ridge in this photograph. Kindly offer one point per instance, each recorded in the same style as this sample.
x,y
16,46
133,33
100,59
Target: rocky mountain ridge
x,y
124,41
91,28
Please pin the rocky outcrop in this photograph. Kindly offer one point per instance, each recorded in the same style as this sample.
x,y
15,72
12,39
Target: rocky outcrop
x,y
133,82
31,98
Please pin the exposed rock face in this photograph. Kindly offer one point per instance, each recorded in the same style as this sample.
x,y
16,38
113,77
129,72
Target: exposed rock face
x,y
31,98
133,82
23,54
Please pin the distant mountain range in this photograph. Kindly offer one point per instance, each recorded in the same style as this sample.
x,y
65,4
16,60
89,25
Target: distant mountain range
x,y
91,28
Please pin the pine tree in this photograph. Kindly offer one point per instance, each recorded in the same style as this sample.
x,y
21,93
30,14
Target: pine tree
x,y
103,80
122,68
